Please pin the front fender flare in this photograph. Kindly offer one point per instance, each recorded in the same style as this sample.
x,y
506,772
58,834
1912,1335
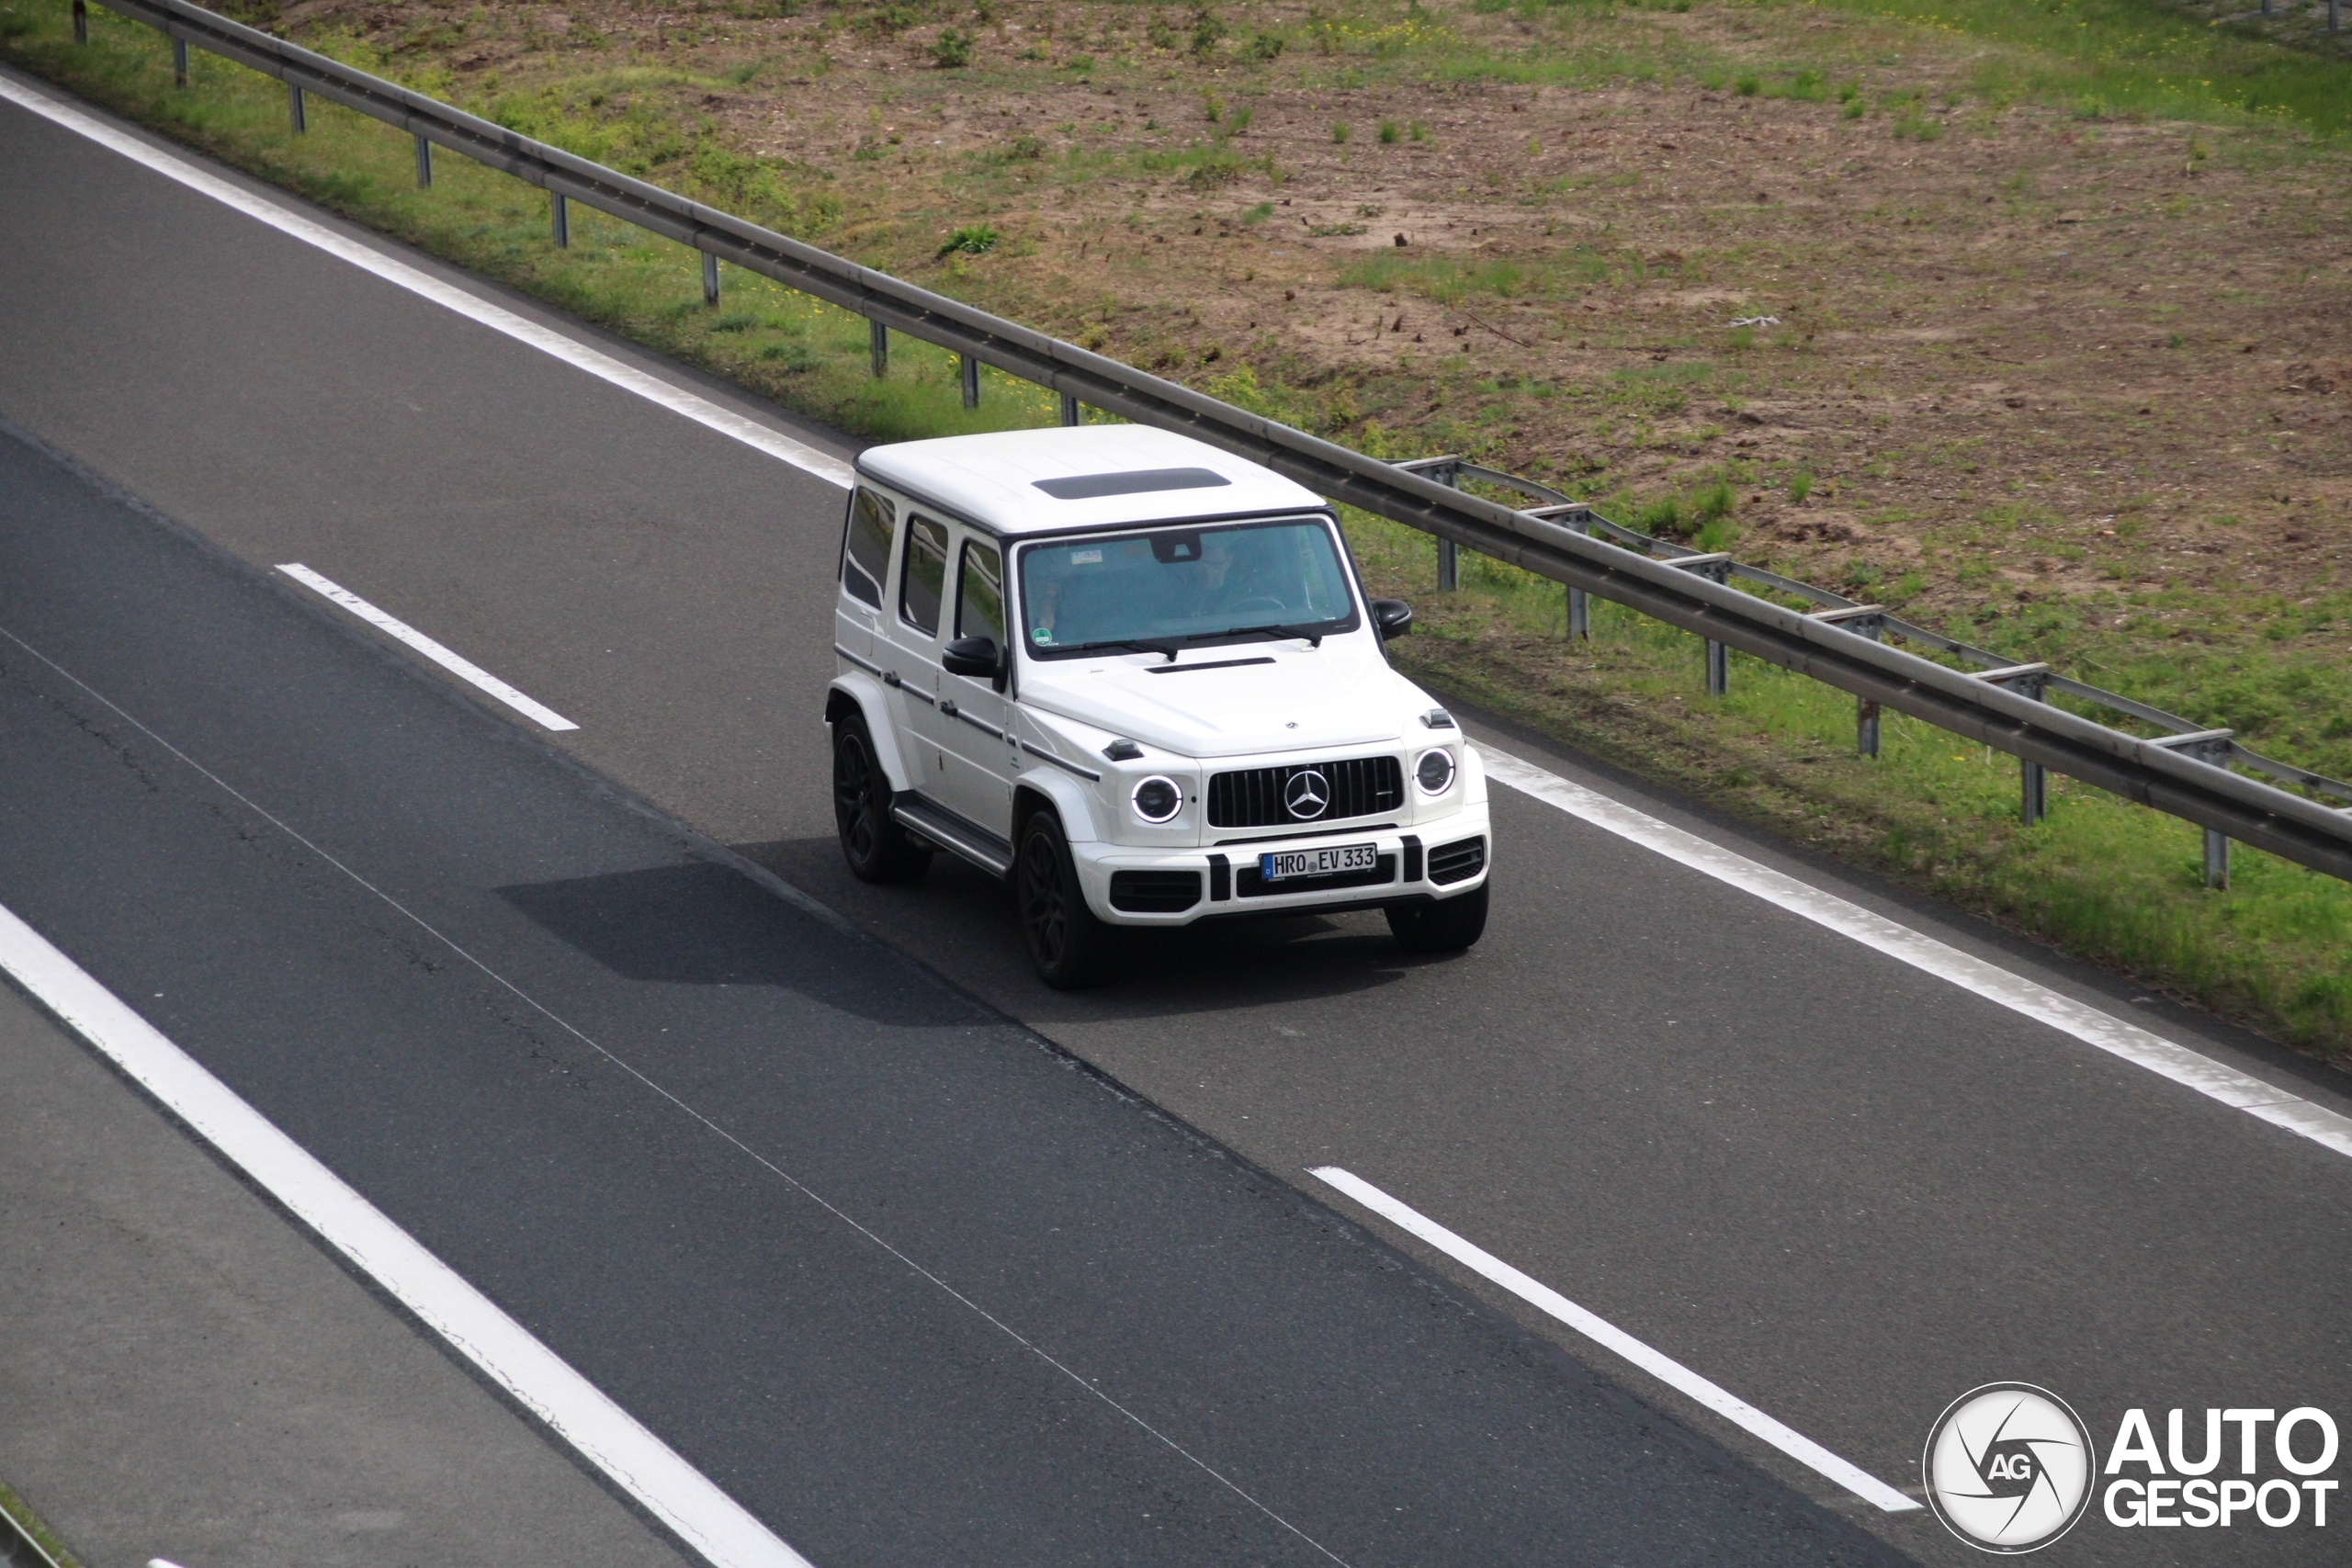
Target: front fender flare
x,y
863,694
1072,800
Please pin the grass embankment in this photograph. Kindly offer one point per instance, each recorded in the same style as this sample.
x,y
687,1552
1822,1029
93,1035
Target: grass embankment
x,y
14,1506
2051,349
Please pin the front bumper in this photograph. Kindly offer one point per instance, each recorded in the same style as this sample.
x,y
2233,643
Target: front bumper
x,y
1130,886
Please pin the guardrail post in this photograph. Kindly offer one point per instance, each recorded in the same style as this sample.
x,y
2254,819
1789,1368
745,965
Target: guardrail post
x,y
1715,567
709,278
558,220
1865,727
423,162
968,371
2217,860
1071,415
879,343
1449,567
1579,615
297,115
2331,16
81,22
2033,788
179,63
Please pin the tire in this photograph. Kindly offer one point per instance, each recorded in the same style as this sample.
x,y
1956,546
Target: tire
x,y
1069,947
876,848
1445,927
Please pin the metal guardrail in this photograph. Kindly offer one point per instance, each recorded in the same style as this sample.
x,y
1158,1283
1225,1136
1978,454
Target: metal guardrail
x,y
2185,771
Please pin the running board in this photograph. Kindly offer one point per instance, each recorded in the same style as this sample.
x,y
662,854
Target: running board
x,y
951,832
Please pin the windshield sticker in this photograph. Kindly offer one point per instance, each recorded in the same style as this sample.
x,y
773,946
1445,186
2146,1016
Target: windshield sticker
x,y
1086,558
1041,634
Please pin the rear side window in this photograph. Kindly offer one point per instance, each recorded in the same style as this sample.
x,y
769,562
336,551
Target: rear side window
x,y
926,574
979,593
865,560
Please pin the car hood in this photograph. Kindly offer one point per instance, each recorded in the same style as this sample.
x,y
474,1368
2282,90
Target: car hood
x,y
1317,698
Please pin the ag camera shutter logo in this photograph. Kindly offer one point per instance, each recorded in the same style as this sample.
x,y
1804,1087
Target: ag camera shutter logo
x,y
2009,1467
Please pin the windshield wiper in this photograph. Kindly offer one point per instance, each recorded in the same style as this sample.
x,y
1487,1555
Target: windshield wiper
x,y
1139,645
1313,634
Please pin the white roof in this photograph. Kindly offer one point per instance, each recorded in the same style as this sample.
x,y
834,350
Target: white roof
x,y
1108,474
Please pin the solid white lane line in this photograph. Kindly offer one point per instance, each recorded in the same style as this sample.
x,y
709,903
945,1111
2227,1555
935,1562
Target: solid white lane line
x,y
609,1437
464,670
2087,1023
1673,1373
287,220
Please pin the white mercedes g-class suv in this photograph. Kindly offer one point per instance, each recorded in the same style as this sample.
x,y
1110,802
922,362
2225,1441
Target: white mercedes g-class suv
x,y
1138,678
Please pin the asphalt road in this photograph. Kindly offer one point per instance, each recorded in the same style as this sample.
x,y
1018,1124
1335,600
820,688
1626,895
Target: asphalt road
x,y
1841,1188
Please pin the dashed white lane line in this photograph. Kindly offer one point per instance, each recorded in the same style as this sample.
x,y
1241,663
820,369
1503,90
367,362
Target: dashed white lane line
x,y
547,340
465,670
639,1463
2238,1090
1601,1332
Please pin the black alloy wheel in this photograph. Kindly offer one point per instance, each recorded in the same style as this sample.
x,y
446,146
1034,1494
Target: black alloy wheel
x,y
1069,947
876,848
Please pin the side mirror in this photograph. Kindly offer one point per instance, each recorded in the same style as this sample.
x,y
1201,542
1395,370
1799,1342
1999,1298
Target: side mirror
x,y
1392,618
974,656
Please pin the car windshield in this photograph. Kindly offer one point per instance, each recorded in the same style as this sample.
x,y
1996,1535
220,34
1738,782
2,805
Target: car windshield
x,y
1173,587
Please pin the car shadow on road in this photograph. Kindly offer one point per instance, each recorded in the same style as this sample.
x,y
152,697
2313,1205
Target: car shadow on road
x,y
703,923
960,921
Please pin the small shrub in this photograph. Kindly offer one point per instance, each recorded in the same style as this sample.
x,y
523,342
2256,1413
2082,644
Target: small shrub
x,y
1259,213
735,321
1848,92
1742,339
1662,518
1339,131
1807,87
1747,86
1712,504
1025,149
1212,106
1388,133
974,240
1080,66
1265,46
1853,108
951,49
1420,133
1208,31
2090,105
1800,486
1239,121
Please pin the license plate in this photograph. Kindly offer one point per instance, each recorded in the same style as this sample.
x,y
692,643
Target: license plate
x,y
1282,865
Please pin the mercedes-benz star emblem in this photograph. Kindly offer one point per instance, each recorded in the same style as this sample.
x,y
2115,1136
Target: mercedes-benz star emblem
x,y
1307,795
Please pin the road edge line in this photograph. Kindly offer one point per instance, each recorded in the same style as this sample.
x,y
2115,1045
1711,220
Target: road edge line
x,y
401,275
2092,1026
615,1442
400,631
1607,1335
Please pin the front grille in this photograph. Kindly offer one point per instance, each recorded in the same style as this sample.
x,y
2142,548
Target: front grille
x,y
1453,862
1155,892
1358,786
1247,884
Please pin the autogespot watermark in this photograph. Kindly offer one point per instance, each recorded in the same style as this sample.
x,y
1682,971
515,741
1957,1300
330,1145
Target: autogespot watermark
x,y
2011,1468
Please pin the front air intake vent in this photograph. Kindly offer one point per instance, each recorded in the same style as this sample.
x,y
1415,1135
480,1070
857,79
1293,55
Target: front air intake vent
x,y
1457,862
1155,892
1263,798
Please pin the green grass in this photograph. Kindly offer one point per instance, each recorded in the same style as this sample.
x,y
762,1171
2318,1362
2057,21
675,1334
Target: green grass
x,y
2132,57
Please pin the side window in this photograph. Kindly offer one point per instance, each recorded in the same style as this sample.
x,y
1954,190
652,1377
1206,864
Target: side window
x,y
979,593
926,574
866,558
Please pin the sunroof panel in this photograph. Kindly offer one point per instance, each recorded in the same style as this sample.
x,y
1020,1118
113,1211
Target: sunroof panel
x,y
1136,481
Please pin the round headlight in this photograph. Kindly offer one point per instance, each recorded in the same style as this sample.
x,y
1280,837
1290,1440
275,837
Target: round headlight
x,y
1158,799
1434,772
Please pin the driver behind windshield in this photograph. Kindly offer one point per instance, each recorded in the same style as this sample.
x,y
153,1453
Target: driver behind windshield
x,y
1181,585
